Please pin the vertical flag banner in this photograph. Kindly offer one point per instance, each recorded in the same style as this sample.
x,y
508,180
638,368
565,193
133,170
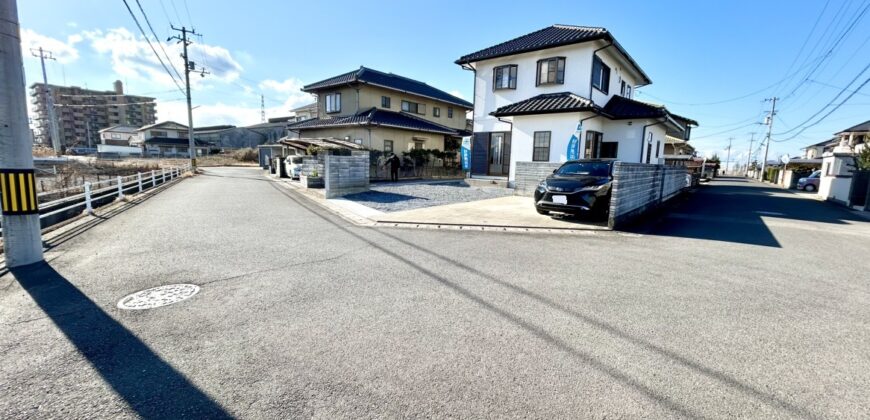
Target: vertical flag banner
x,y
574,143
466,153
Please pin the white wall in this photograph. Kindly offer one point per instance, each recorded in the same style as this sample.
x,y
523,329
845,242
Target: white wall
x,y
578,73
121,150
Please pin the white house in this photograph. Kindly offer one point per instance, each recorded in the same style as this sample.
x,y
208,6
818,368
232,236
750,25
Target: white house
x,y
532,92
167,138
119,135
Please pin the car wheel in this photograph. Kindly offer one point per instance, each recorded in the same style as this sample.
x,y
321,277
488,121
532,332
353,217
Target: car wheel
x,y
809,188
544,212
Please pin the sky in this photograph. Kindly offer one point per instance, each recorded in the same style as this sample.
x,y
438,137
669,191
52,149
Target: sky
x,y
713,61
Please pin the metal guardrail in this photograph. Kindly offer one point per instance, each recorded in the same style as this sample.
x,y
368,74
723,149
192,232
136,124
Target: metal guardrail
x,y
97,194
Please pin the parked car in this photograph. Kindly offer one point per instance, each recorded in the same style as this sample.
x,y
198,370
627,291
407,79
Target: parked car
x,y
810,183
293,166
579,187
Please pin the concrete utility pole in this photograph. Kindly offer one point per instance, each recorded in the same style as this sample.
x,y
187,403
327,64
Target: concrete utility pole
x,y
728,157
20,211
749,157
767,139
49,99
189,67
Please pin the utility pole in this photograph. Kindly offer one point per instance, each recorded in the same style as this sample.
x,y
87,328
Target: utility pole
x,y
49,99
22,239
189,67
262,109
749,156
728,157
767,139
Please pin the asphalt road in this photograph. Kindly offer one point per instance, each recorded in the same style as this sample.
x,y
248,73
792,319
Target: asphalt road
x,y
736,305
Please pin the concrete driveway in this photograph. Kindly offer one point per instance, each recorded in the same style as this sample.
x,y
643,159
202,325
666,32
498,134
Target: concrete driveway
x,y
303,315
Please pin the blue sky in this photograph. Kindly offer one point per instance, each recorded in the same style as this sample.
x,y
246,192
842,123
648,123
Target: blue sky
x,y
701,55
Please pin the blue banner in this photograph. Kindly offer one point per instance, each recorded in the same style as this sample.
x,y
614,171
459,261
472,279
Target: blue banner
x,y
573,152
466,153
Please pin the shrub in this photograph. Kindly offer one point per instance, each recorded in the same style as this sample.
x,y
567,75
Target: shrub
x,y
245,155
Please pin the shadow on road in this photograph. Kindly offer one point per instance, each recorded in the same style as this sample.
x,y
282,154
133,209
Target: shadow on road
x,y
732,210
149,385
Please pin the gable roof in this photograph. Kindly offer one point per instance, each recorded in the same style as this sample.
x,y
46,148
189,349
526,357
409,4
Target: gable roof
x,y
312,105
376,117
173,141
365,75
121,127
864,126
548,103
550,37
160,124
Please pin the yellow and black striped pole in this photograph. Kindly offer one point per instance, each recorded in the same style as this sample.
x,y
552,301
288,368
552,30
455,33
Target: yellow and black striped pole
x,y
18,191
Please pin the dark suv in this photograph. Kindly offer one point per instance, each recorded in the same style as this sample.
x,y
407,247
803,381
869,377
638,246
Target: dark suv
x,y
577,187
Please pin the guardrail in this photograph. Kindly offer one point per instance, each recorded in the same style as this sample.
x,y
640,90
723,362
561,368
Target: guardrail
x,y
97,194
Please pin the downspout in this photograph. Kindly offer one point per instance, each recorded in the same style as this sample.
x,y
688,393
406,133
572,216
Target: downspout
x,y
473,107
643,138
609,44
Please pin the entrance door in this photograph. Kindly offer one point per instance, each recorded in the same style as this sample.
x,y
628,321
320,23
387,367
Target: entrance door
x,y
499,154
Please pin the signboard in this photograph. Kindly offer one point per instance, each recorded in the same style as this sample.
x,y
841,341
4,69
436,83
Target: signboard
x,y
18,192
465,152
785,159
573,152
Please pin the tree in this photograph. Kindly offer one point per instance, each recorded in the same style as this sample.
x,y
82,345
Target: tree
x,y
862,161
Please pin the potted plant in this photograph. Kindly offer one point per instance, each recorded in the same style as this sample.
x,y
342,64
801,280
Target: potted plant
x,y
312,180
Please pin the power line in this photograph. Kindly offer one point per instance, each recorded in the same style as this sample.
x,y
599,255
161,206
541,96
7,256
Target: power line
x,y
725,131
152,46
156,38
829,112
809,35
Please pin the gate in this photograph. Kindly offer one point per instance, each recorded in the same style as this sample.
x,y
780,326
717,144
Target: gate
x,y
860,189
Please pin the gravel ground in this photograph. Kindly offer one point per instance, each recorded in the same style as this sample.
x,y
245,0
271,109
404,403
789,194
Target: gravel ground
x,y
398,197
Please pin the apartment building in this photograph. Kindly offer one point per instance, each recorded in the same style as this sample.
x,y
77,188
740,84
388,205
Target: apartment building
x,y
82,113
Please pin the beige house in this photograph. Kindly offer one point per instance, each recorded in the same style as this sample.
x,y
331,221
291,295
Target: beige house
x,y
385,112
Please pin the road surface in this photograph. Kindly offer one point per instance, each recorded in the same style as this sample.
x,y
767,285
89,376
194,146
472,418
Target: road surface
x,y
746,301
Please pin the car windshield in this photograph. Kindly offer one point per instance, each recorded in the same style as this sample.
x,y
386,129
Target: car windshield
x,y
297,160
585,168
816,174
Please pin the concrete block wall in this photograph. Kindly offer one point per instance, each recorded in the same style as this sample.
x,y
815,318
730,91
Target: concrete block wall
x,y
346,174
312,163
530,174
639,188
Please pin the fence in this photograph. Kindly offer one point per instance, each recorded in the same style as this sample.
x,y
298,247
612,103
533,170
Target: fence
x,y
639,188
93,195
530,174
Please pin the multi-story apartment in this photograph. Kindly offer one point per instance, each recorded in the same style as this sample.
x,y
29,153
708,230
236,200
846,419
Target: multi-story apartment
x,y
82,113
384,111
563,92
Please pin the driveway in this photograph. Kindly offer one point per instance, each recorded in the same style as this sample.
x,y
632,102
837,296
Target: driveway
x,y
302,315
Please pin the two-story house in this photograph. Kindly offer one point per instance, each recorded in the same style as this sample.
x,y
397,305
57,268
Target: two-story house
x,y
384,111
534,93
118,135
167,138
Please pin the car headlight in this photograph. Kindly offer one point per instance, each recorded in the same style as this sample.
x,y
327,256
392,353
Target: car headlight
x,y
590,188
542,187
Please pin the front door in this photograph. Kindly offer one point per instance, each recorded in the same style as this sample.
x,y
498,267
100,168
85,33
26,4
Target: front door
x,y
499,154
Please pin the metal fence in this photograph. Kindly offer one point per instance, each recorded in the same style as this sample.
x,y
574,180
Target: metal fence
x,y
85,198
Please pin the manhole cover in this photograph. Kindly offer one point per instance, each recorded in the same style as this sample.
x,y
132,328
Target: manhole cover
x,y
156,297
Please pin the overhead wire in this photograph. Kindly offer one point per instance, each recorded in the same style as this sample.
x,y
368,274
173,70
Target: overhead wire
x,y
136,20
157,39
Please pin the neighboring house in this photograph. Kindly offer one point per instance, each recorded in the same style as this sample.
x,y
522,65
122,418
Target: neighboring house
x,y
232,137
814,151
677,150
531,92
119,135
385,112
857,137
305,112
169,139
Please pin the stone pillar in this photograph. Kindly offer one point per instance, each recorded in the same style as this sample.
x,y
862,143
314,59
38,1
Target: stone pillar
x,y
836,179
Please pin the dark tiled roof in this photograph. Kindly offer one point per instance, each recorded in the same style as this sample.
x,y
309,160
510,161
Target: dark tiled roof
x,y
864,126
546,104
549,37
172,141
684,121
392,81
376,117
621,108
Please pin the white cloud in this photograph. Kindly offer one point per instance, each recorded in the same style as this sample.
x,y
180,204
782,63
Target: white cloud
x,y
457,94
132,57
64,51
219,113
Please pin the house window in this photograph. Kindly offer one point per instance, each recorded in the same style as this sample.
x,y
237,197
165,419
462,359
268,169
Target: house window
x,y
551,71
600,75
541,147
388,146
658,145
116,136
385,101
158,133
333,102
593,144
418,144
436,112
505,77
609,150
449,112
414,107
